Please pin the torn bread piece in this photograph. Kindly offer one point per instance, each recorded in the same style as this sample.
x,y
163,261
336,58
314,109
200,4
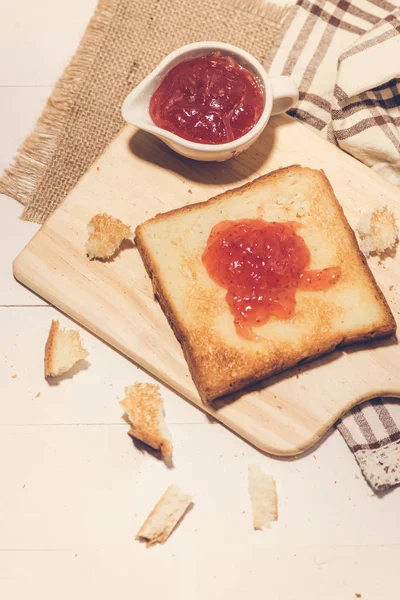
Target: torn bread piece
x,y
378,231
145,410
164,517
264,503
63,349
106,234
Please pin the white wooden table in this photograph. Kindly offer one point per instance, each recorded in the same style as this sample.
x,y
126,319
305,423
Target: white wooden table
x,y
75,489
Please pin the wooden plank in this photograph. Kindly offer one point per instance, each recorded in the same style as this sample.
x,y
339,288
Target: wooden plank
x,y
136,178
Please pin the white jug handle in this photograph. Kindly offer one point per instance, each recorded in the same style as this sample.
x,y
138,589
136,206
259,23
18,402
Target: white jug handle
x,y
285,92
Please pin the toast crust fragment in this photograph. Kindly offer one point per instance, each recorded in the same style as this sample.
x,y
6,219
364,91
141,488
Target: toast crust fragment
x,y
62,350
378,232
219,361
145,409
106,234
164,517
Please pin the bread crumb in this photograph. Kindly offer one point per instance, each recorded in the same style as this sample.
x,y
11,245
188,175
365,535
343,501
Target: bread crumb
x,y
13,376
63,349
358,595
37,395
391,288
106,234
144,408
378,232
164,517
262,490
190,192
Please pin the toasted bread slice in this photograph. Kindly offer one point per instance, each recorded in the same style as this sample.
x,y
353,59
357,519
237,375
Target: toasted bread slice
x,y
264,502
378,232
106,234
63,349
220,360
164,517
145,410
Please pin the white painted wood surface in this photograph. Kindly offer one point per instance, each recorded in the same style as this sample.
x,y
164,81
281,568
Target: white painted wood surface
x,y
74,490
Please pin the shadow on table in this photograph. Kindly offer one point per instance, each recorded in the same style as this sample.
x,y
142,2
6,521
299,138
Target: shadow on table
x,y
81,365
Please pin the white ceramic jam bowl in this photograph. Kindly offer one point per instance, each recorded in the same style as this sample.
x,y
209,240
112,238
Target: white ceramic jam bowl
x,y
280,94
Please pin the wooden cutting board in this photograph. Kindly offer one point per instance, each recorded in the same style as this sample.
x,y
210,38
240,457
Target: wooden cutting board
x,y
137,177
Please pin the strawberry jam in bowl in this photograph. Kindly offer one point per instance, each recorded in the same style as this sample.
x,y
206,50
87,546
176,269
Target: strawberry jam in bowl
x,y
208,101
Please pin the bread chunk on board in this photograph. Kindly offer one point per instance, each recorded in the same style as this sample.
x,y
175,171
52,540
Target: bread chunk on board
x,y
105,236
221,361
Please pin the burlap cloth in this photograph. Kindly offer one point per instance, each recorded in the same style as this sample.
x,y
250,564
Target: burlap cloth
x,y
123,42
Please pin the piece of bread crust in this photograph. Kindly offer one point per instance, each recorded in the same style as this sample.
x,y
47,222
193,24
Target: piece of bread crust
x,y
171,245
378,232
106,234
144,408
63,349
164,517
264,501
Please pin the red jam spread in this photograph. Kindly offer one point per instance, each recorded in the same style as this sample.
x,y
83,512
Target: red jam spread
x,y
210,99
262,265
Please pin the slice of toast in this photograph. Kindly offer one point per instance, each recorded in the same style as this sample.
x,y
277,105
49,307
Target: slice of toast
x,y
221,361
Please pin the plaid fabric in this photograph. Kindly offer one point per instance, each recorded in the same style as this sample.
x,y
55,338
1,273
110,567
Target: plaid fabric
x,y
372,432
345,57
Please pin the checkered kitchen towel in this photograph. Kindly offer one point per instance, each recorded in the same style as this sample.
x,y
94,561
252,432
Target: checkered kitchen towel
x,y
345,57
